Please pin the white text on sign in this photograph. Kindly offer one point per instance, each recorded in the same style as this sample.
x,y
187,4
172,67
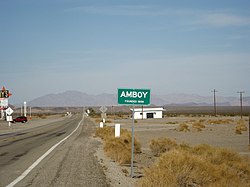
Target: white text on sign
x,y
133,94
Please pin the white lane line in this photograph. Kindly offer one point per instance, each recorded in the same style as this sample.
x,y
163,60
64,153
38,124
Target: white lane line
x,y
27,171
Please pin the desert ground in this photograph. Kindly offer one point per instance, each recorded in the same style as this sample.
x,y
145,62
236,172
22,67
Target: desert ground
x,y
217,131
222,135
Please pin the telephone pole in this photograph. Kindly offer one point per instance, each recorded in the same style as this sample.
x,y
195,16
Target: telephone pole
x,y
241,99
215,113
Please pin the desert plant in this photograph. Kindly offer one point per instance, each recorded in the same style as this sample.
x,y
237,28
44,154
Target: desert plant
x,y
161,145
198,125
118,149
171,122
219,121
183,127
105,132
241,126
201,165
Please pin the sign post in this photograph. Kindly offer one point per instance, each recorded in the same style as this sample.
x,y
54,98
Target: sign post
x,y
103,109
9,111
133,97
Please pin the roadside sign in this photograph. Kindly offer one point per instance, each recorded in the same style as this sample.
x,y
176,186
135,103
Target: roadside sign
x,y
4,93
4,103
103,109
133,96
9,111
9,118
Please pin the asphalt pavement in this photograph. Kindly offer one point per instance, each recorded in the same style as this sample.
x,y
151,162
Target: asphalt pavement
x,y
71,163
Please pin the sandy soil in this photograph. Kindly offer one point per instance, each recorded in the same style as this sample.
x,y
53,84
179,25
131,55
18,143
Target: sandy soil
x,y
219,135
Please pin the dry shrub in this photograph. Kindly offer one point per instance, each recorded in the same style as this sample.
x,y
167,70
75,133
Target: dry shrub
x,y
198,126
171,122
118,149
109,121
105,132
237,130
161,145
202,165
220,121
241,126
183,127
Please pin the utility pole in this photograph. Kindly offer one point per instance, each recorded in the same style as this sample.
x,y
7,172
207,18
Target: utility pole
x,y
215,112
241,99
30,112
21,110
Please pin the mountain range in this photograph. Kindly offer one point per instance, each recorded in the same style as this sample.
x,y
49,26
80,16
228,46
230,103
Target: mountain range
x,y
76,98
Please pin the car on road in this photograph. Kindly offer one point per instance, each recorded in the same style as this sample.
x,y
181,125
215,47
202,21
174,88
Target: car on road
x,y
22,119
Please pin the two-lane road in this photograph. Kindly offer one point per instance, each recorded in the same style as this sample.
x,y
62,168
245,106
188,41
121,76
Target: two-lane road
x,y
19,150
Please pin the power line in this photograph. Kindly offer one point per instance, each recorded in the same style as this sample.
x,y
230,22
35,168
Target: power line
x,y
215,112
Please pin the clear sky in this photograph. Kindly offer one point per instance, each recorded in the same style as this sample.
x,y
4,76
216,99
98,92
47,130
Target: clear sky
x,y
97,46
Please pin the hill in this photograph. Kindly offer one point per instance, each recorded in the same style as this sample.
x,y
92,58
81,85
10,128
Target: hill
x,y
77,99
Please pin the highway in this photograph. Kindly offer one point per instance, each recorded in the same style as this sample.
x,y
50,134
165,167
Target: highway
x,y
71,163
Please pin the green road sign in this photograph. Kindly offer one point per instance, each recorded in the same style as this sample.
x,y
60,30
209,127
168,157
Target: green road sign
x,y
133,96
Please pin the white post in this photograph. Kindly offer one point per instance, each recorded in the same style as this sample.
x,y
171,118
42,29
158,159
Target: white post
x,y
25,108
117,130
103,120
9,119
101,124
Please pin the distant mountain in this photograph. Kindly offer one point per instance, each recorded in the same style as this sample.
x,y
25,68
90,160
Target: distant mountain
x,y
76,98
73,98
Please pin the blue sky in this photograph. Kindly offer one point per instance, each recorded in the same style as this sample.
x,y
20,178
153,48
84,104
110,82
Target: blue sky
x,y
194,46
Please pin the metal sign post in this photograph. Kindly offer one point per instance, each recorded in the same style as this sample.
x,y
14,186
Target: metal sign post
x,y
132,149
133,97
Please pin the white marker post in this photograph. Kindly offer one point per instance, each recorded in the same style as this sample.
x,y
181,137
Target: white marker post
x,y
9,111
117,130
25,108
101,124
9,119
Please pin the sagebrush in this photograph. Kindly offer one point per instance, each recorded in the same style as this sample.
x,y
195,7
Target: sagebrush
x,y
118,149
202,165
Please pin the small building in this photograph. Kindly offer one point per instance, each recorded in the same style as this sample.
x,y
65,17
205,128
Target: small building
x,y
146,113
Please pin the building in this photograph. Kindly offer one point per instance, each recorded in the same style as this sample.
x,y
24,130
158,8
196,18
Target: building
x,y
146,113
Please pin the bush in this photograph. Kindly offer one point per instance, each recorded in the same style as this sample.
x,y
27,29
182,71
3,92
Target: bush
x,y
105,132
198,125
220,121
183,127
201,165
241,126
161,145
118,149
